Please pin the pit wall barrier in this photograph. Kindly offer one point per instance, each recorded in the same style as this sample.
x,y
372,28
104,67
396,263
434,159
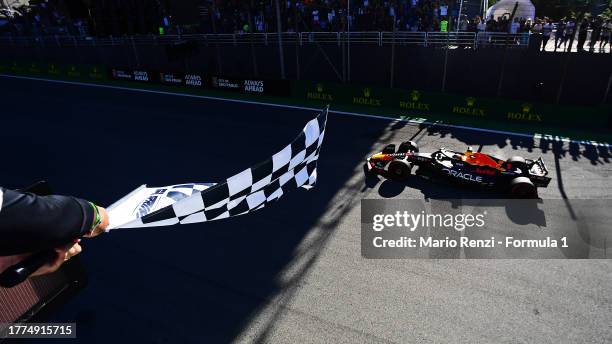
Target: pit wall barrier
x,y
406,103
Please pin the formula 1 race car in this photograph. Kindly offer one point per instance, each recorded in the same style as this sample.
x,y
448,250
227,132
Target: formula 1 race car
x,y
518,176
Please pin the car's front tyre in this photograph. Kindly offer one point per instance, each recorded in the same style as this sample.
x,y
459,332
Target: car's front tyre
x,y
399,170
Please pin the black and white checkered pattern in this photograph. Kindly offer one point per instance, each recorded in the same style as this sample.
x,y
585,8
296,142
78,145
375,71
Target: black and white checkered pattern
x,y
293,167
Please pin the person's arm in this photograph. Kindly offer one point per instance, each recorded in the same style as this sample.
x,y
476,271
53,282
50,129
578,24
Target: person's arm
x,y
30,223
62,254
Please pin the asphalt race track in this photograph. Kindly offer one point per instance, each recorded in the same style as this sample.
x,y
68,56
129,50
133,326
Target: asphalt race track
x,y
292,273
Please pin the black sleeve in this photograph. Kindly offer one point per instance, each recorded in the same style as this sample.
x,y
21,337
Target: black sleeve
x,y
30,223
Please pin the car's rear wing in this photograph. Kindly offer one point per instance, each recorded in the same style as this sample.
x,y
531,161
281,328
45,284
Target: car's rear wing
x,y
540,164
538,173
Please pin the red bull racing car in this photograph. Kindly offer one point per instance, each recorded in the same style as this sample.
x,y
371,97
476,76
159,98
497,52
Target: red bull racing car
x,y
518,176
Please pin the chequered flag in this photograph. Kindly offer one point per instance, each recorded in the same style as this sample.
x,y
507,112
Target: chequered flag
x,y
293,167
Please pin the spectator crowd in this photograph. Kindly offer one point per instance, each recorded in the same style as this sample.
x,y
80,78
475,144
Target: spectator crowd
x,y
334,15
238,16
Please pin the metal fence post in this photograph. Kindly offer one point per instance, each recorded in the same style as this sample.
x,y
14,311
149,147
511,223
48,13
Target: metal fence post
x,y
568,56
76,49
500,83
342,47
135,52
251,41
393,56
297,54
298,40
607,92
445,63
279,29
348,42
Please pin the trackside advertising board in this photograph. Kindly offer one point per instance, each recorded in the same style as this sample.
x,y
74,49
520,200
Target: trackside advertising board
x,y
397,102
182,79
280,88
4,66
422,103
56,70
139,75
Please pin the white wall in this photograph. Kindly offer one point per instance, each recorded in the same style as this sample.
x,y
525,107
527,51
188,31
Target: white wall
x,y
524,10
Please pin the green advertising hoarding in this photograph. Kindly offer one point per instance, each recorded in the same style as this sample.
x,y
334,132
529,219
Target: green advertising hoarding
x,y
95,72
55,70
454,107
4,66
17,67
317,92
34,68
73,71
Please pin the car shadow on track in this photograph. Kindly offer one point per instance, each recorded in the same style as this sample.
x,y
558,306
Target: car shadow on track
x,y
520,213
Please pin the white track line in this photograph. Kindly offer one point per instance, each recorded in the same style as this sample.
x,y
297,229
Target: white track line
x,y
356,114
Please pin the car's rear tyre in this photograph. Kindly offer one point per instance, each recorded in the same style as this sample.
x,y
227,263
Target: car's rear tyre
x,y
517,161
522,187
389,149
399,170
408,146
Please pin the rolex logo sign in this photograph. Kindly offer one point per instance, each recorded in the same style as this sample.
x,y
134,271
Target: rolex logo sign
x,y
34,68
73,71
526,108
96,73
470,108
319,93
17,67
367,98
53,69
414,102
526,114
